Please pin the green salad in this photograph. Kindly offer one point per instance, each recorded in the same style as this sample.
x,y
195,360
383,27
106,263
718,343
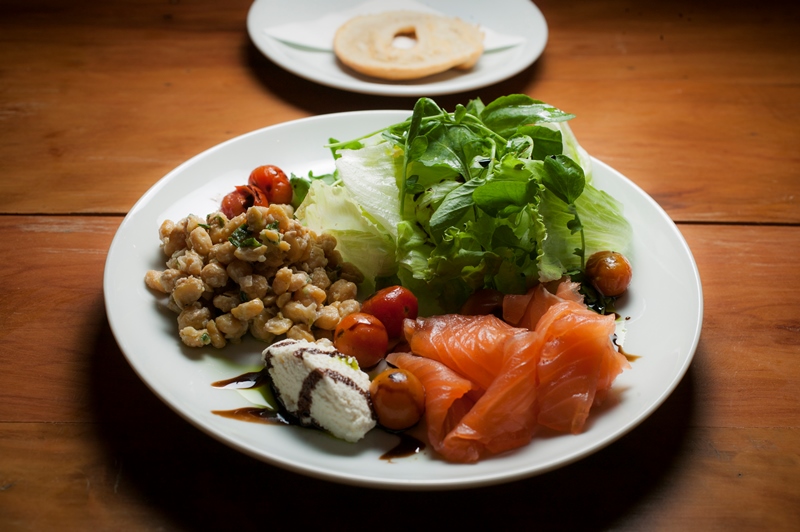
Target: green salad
x,y
445,203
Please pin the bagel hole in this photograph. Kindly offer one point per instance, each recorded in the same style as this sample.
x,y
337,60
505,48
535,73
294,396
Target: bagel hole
x,y
405,39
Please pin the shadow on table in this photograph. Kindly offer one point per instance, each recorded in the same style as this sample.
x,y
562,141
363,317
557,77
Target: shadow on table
x,y
173,475
319,99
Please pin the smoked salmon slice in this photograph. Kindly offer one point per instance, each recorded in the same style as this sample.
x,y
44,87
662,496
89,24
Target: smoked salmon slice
x,y
499,359
577,365
548,371
473,346
447,394
502,418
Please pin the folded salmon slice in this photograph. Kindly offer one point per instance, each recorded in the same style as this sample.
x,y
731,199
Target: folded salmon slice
x,y
447,394
577,365
501,362
550,371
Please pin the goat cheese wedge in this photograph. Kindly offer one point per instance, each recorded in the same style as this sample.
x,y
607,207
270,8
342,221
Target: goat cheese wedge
x,y
321,387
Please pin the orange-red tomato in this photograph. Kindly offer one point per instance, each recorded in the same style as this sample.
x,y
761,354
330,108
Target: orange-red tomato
x,y
255,194
392,305
362,336
234,204
241,199
484,301
398,399
609,272
273,182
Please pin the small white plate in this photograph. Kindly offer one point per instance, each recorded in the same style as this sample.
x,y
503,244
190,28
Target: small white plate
x,y
516,17
664,303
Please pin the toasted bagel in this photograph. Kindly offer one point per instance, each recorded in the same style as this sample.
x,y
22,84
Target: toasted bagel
x,y
366,44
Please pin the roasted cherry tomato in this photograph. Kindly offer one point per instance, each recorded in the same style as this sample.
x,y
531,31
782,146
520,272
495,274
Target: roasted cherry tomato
x,y
273,182
392,305
241,199
398,399
609,272
484,301
234,204
362,336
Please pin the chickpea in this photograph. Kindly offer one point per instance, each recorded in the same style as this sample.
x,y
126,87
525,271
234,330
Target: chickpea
x,y
254,254
226,302
238,269
217,339
258,326
299,313
189,262
320,279
194,315
342,290
299,280
176,240
249,310
231,327
200,241
301,331
187,291
254,286
278,324
194,338
348,307
223,252
282,280
163,281
327,318
214,275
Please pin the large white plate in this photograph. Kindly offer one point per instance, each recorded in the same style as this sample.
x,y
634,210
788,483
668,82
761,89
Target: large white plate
x,y
515,17
664,304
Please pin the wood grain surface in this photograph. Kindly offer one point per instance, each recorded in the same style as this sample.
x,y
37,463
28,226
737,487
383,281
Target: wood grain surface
x,y
697,104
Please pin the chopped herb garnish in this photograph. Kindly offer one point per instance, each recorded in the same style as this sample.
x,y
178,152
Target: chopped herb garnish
x,y
243,238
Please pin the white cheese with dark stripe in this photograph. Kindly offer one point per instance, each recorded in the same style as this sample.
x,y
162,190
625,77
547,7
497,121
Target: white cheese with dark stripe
x,y
321,387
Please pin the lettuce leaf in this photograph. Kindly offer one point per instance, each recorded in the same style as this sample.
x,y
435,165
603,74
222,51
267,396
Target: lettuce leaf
x,y
495,196
333,210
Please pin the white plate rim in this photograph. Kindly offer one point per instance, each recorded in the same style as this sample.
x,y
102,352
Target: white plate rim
x,y
467,479
276,51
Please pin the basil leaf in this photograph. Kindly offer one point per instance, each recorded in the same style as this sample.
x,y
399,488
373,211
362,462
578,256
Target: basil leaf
x,y
453,208
546,141
564,178
507,113
520,146
501,197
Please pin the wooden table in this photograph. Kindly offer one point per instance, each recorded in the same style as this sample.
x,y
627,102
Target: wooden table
x,y
697,102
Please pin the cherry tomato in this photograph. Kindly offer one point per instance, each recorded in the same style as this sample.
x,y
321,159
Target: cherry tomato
x,y
273,182
362,336
398,399
256,195
484,301
234,204
392,305
242,199
609,272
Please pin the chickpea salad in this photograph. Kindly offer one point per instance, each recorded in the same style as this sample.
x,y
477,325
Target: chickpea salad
x,y
252,268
